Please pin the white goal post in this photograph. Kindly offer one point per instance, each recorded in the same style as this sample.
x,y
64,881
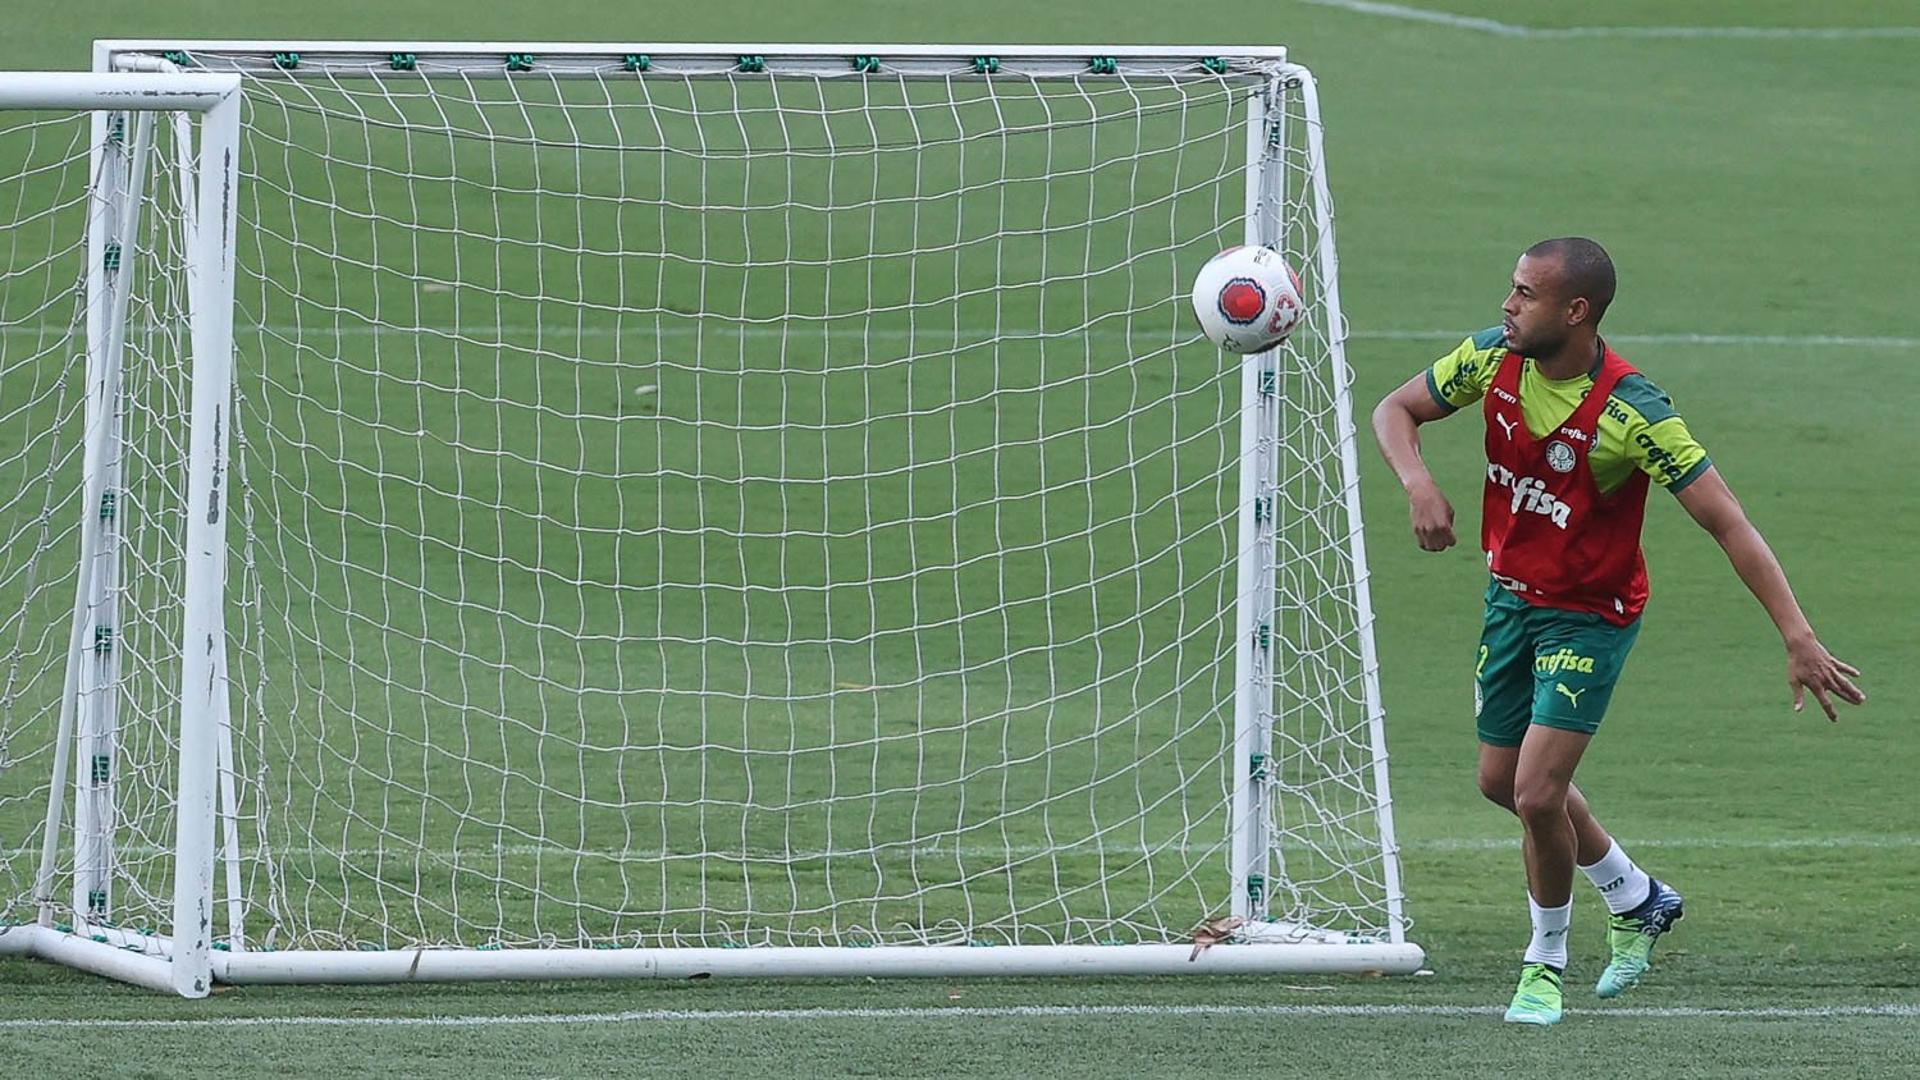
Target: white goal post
x,y
496,510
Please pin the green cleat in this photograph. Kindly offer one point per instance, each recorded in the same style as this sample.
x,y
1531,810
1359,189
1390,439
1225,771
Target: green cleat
x,y
1537,1000
1631,937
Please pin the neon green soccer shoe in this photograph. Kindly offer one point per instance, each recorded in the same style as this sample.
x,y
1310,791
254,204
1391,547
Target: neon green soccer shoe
x,y
1631,937
1537,1000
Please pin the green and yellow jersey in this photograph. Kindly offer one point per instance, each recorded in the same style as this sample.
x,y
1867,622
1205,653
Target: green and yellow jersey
x,y
1638,429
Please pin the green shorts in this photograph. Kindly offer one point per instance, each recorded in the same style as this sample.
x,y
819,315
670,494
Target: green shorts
x,y
1544,666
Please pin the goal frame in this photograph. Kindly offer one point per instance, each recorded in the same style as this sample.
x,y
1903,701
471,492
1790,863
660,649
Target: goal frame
x,y
183,964
188,961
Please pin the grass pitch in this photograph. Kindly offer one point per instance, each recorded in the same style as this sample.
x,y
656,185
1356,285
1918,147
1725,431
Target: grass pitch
x,y
1754,188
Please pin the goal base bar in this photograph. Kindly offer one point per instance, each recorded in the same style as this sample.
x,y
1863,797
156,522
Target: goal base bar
x,y
122,960
814,962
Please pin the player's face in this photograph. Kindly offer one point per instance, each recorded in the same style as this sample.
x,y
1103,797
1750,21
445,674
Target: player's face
x,y
1536,316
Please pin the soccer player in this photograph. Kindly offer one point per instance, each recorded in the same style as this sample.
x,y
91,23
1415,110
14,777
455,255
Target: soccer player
x,y
1574,436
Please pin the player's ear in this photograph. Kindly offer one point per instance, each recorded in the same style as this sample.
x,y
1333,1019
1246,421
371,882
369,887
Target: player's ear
x,y
1578,310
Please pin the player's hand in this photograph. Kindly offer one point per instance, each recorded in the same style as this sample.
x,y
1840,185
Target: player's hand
x,y
1811,667
1432,518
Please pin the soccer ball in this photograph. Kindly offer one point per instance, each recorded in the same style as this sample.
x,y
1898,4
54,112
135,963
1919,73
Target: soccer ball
x,y
1247,299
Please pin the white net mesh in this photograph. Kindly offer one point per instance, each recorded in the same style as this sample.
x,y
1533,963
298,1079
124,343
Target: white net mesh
x,y
43,209
710,510
119,807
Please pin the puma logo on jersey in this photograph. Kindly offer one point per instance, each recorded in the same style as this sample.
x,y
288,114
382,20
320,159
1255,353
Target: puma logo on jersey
x,y
1572,695
1530,493
1505,424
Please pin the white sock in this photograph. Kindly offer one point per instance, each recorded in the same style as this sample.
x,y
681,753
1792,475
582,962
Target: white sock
x,y
1622,885
1549,944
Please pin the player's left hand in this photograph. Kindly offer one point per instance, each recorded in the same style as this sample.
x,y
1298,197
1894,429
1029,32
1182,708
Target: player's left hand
x,y
1811,667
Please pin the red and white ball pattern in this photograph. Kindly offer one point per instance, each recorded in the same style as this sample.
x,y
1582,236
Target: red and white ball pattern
x,y
1247,299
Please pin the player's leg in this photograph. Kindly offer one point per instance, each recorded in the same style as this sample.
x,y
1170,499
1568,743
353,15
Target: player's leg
x,y
1579,659
1631,936
1623,885
1592,842
1504,691
1542,778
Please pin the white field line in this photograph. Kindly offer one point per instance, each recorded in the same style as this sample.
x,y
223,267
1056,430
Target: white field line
x,y
960,1012
1015,851
807,331
1407,13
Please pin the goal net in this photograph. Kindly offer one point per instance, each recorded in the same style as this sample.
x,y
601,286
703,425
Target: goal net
x,y
718,499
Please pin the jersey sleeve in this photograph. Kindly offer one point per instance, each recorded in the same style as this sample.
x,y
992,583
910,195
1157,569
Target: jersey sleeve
x,y
1657,440
1461,377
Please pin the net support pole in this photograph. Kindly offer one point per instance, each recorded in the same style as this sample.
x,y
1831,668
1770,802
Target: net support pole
x,y
1253,557
105,172
121,171
202,645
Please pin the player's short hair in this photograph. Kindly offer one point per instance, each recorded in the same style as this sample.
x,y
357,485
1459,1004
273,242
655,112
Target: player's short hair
x,y
1585,270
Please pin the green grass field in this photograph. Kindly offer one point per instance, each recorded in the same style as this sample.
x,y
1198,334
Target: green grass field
x,y
1756,189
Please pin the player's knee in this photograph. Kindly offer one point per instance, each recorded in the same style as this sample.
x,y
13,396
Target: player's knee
x,y
1497,787
1540,801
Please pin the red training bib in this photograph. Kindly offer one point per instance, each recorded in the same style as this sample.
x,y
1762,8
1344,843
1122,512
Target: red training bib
x,y
1550,535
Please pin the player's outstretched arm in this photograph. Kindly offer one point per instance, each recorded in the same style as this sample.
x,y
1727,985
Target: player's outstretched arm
x,y
1396,422
1809,665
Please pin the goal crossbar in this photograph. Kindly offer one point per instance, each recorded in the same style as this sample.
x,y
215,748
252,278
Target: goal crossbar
x,y
195,92
572,60
679,49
